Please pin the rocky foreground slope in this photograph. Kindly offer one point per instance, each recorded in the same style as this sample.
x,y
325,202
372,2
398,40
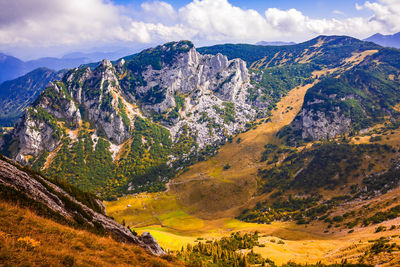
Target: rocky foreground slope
x,y
52,200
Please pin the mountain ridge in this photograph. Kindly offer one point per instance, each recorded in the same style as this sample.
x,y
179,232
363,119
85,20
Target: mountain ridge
x,y
17,94
390,40
183,105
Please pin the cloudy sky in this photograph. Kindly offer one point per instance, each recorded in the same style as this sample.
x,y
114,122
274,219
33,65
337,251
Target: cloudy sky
x,y
33,28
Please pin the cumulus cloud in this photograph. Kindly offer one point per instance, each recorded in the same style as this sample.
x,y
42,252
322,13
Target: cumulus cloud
x,y
41,22
47,23
159,12
219,20
386,14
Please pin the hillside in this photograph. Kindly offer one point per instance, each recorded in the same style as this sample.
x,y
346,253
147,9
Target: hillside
x,y
64,203
49,221
29,239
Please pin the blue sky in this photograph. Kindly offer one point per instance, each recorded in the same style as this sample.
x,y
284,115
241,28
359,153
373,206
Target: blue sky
x,y
315,8
31,28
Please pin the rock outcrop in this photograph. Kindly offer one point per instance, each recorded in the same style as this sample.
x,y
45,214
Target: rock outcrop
x,y
317,125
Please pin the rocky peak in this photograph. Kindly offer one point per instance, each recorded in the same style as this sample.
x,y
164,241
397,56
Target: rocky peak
x,y
105,63
177,93
207,84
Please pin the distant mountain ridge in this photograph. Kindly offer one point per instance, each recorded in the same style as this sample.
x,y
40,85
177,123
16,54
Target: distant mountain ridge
x,y
385,40
277,43
12,67
17,94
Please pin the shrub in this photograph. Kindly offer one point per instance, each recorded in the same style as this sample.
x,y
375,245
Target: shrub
x,y
227,166
380,229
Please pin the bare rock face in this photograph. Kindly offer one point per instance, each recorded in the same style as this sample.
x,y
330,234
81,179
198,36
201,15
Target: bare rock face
x,y
98,95
53,197
192,72
33,137
208,83
318,125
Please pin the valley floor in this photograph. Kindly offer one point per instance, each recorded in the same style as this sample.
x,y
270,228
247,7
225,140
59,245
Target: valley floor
x,y
174,228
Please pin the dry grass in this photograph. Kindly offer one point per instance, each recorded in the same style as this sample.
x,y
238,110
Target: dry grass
x,y
46,243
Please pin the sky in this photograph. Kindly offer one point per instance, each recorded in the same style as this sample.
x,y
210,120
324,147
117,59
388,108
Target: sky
x,y
35,28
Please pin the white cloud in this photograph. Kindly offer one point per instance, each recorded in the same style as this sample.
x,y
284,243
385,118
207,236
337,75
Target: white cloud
x,y
46,23
337,12
50,23
386,14
219,20
158,12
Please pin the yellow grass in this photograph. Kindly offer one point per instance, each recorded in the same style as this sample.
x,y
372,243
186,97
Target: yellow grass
x,y
166,239
302,244
51,157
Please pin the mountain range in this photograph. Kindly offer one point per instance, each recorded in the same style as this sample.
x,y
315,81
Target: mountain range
x,y
176,104
12,67
275,43
187,139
